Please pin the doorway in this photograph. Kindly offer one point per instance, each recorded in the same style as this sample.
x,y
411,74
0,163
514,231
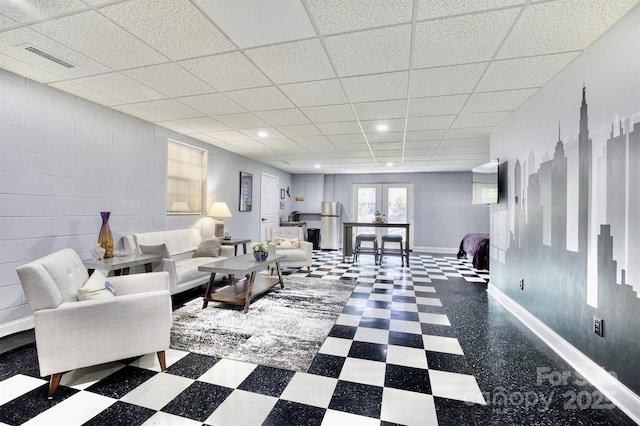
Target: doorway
x,y
269,203
394,201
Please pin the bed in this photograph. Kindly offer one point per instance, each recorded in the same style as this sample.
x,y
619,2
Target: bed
x,y
476,248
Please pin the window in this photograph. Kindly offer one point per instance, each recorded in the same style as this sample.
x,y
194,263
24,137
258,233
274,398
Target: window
x,y
186,177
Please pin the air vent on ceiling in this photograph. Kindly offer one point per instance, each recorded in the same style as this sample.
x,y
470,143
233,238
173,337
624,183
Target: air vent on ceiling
x,y
48,56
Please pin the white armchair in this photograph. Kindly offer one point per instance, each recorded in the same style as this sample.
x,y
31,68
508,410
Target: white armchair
x,y
296,257
72,334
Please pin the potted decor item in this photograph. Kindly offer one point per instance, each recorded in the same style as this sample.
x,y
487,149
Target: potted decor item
x,y
260,250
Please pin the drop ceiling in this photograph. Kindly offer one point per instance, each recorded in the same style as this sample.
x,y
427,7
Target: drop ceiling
x,y
318,76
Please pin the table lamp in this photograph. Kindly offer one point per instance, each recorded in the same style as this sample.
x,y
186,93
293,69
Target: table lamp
x,y
219,210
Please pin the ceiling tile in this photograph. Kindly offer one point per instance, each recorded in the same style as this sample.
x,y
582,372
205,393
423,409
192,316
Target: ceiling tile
x,y
249,23
120,87
474,132
229,136
299,130
480,119
212,104
507,100
283,117
14,43
524,72
336,16
285,145
93,35
430,145
395,125
176,127
82,91
462,39
378,87
167,109
329,113
469,143
445,80
553,27
426,135
353,138
428,9
203,124
161,23
437,105
170,79
370,52
311,140
381,110
244,120
135,111
341,128
6,22
260,99
23,11
293,62
312,93
430,123
385,137
229,71
445,150
255,133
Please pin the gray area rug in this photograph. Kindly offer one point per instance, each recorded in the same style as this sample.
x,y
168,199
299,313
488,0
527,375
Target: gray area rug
x,y
284,328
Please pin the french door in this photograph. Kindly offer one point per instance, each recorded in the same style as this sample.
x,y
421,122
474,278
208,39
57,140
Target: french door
x,y
394,201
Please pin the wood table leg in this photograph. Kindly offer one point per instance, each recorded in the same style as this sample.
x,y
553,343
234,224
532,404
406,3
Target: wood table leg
x,y
125,271
207,293
247,299
117,272
148,267
279,274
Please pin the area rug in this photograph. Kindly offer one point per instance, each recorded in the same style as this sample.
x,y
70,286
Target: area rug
x,y
284,328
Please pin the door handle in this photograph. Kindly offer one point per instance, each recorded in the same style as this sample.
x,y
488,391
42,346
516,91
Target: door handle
x,y
264,220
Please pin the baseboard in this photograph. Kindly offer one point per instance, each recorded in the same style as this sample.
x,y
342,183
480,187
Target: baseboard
x,y
16,326
616,392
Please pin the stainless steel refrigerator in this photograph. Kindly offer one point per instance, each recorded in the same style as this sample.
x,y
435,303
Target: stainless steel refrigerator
x,y
329,226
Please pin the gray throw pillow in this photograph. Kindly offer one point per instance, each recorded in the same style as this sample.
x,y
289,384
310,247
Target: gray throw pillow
x,y
160,249
208,248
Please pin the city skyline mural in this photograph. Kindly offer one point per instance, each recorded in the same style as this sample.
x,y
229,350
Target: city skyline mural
x,y
572,232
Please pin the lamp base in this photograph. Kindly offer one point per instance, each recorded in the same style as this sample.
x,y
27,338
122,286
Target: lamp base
x,y
219,229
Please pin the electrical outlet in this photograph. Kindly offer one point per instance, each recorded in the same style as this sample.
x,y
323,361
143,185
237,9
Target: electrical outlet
x,y
598,326
521,283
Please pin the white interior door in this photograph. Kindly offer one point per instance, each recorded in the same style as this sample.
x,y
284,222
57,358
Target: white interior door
x,y
269,203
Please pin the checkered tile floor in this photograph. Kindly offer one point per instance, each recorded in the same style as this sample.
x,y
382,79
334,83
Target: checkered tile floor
x,y
392,357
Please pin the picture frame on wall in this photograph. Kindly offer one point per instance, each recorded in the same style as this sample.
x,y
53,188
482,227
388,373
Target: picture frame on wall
x,y
282,194
246,191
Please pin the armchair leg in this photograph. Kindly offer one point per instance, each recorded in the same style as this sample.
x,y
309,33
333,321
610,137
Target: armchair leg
x,y
271,272
163,361
53,384
309,270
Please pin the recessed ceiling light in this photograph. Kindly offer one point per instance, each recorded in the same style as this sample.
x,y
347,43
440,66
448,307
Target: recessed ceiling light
x,y
389,164
263,134
382,127
317,166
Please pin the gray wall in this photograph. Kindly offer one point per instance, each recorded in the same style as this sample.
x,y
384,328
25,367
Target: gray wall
x,y
443,213
572,232
65,159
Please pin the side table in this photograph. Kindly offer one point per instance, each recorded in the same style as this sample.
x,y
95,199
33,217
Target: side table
x,y
235,242
120,264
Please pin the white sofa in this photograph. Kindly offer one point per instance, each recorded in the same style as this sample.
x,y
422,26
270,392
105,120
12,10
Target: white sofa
x,y
182,245
296,258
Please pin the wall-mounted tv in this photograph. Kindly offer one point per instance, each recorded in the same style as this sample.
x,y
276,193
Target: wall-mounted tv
x,y
484,183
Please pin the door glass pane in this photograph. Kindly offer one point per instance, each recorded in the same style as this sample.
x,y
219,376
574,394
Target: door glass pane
x,y
396,209
366,207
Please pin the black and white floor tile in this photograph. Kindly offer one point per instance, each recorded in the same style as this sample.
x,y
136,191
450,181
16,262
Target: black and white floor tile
x,y
414,345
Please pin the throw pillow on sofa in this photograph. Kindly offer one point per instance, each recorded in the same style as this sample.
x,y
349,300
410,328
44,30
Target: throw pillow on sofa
x,y
286,243
209,248
160,249
95,288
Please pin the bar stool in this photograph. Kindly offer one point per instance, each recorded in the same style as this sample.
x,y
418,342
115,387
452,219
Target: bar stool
x,y
392,251
360,249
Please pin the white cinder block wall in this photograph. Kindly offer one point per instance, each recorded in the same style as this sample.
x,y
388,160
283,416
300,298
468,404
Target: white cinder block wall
x,y
62,161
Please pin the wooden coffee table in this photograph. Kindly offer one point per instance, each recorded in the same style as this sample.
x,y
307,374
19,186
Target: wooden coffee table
x,y
242,292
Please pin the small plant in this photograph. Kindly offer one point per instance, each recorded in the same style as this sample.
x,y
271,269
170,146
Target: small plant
x,y
260,247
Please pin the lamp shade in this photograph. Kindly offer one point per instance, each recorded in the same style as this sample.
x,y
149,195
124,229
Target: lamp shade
x,y
219,209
